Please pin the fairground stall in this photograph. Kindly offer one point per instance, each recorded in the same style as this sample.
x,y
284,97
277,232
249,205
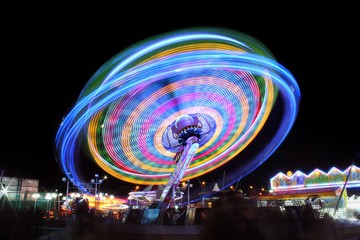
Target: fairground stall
x,y
328,192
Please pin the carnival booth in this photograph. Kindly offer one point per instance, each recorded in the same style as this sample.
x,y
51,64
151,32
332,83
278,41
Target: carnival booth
x,y
329,190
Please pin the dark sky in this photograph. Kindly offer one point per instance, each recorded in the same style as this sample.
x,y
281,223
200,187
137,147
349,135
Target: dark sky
x,y
50,56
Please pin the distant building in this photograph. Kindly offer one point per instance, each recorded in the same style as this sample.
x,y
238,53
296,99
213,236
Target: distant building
x,y
17,191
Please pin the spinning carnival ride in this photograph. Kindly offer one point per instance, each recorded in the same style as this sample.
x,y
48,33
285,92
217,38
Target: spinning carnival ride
x,y
178,106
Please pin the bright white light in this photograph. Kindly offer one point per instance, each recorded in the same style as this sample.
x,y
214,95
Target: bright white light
x,y
36,195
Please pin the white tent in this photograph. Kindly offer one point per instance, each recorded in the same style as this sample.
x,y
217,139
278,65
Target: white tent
x,y
216,188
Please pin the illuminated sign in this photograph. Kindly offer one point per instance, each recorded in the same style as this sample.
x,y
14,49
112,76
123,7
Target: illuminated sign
x,y
316,178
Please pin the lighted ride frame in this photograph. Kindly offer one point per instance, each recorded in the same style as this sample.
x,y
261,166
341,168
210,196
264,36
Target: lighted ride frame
x,y
125,113
187,130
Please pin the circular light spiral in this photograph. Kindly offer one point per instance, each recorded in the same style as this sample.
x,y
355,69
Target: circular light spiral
x,y
124,112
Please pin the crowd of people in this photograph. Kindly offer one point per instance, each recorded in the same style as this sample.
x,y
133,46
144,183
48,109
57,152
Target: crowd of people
x,y
231,217
33,223
236,217
25,224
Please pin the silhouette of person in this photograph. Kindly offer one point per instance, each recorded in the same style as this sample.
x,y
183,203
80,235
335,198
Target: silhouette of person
x,y
39,221
232,217
81,215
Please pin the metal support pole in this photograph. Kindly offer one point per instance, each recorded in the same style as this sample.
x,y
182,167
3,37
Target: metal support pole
x,y
67,180
188,191
97,182
343,189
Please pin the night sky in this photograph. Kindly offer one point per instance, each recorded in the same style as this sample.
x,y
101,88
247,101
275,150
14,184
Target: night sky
x,y
49,57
